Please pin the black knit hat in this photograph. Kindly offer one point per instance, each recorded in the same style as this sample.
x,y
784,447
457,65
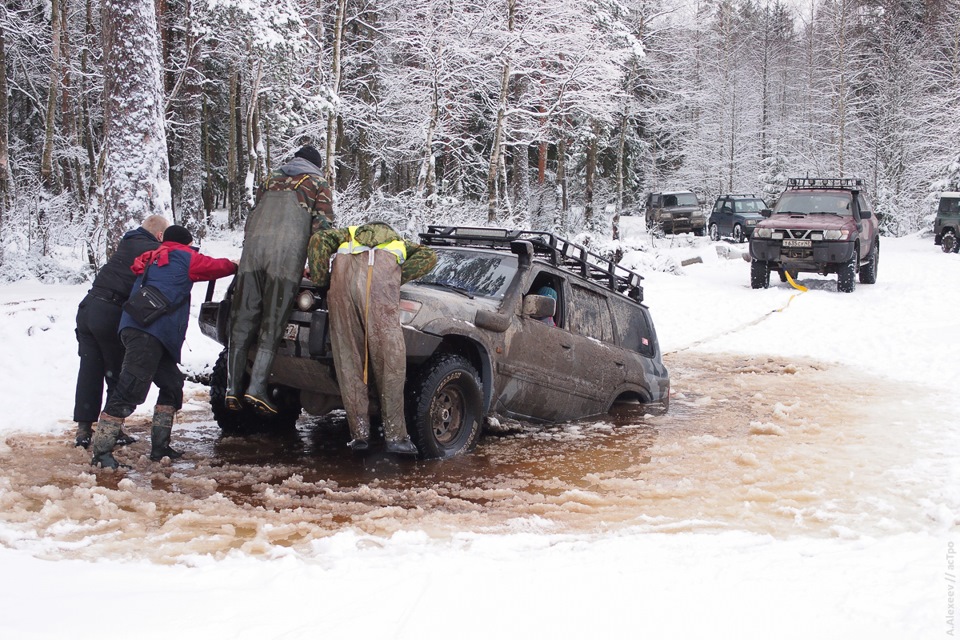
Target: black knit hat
x,y
176,233
310,154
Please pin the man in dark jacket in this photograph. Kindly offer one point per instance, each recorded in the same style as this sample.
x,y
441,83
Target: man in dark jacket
x,y
369,263
101,352
293,203
152,352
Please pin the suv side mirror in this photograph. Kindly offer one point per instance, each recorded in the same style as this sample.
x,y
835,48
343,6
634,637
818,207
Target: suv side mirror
x,y
539,306
865,215
766,213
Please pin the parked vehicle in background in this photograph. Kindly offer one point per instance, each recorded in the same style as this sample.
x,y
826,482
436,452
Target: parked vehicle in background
x,y
674,212
735,215
521,324
946,228
820,225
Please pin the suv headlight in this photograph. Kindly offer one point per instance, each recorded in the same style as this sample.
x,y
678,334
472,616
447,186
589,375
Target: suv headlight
x,y
666,216
836,234
409,310
763,232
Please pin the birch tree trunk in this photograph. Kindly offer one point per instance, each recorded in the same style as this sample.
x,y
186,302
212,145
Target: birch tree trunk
x,y
331,150
4,143
136,175
496,149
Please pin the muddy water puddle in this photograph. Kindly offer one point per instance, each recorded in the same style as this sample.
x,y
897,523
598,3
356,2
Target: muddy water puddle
x,y
757,444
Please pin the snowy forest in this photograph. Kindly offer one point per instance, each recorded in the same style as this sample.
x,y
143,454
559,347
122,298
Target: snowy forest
x,y
554,114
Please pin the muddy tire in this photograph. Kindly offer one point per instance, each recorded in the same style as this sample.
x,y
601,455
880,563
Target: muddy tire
x,y
444,407
759,274
714,232
738,235
949,242
247,421
699,231
868,271
847,274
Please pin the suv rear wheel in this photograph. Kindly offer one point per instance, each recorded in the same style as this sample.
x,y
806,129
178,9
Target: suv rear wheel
x,y
847,273
444,407
247,420
759,274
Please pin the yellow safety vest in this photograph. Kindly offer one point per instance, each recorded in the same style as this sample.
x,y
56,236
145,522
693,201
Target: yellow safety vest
x,y
397,247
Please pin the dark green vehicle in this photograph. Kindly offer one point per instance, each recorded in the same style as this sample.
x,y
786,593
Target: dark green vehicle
x,y
946,228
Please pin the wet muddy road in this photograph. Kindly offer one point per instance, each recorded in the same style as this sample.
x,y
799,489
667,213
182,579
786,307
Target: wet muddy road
x,y
782,447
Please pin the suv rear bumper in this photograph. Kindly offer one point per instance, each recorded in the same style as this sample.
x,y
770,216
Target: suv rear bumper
x,y
821,253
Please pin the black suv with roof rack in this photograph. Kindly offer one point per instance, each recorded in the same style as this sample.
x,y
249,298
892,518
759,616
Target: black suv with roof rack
x,y
735,215
820,225
520,324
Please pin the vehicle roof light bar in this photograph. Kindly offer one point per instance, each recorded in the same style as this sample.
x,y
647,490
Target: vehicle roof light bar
x,y
824,183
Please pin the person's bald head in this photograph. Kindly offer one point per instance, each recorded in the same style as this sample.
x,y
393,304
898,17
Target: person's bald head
x,y
156,225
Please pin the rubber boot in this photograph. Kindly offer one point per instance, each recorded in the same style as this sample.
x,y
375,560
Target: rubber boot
x,y
124,438
104,440
257,395
160,434
236,368
84,433
360,434
403,447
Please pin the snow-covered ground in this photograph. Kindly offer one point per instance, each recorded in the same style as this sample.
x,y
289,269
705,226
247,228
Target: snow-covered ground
x,y
853,583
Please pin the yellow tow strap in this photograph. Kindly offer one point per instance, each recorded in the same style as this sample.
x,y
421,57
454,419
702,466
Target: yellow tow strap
x,y
798,287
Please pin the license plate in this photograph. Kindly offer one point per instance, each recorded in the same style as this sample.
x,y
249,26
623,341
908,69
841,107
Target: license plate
x,y
798,243
290,333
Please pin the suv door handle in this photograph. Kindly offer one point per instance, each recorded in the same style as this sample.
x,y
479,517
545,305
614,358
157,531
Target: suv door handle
x,y
566,346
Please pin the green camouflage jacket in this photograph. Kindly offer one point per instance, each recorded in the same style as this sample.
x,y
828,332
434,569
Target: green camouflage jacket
x,y
313,194
323,245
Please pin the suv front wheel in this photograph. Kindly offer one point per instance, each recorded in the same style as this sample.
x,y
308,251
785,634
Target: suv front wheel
x,y
444,407
847,273
949,242
759,274
868,272
247,421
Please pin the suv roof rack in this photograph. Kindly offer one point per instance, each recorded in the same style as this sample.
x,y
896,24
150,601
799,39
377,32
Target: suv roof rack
x,y
560,252
824,183
739,195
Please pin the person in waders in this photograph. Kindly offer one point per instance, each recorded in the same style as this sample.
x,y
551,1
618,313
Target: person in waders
x,y
292,203
364,267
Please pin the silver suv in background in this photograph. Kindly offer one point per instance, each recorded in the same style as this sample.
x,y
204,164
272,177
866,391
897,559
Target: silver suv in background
x,y
674,212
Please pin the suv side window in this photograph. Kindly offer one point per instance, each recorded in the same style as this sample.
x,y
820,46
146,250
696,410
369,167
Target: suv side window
x,y
588,314
633,326
718,205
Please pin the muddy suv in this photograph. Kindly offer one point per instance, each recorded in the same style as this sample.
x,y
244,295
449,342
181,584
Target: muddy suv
x,y
946,228
518,324
674,212
820,225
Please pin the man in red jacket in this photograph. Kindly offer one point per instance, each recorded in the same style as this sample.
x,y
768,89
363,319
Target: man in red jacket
x,y
152,352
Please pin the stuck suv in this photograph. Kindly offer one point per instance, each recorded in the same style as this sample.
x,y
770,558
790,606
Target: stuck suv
x,y
735,215
946,228
674,212
482,340
820,225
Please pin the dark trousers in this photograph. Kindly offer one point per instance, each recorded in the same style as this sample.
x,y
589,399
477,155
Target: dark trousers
x,y
101,355
146,361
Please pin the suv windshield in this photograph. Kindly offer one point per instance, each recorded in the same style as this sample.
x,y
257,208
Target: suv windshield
x,y
950,206
473,272
748,206
807,202
680,200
